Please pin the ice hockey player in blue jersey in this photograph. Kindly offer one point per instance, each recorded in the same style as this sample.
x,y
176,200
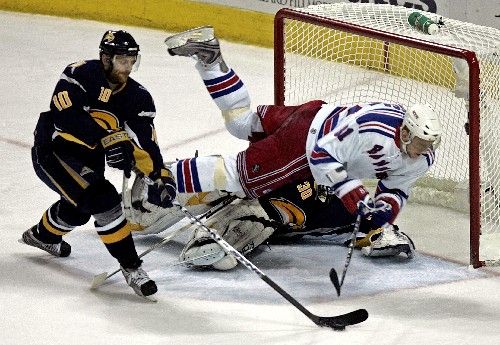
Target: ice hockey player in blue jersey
x,y
333,146
98,114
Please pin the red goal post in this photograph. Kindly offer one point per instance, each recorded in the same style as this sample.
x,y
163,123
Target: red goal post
x,y
350,53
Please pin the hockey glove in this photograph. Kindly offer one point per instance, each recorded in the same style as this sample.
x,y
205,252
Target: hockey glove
x,y
119,151
379,212
352,197
163,189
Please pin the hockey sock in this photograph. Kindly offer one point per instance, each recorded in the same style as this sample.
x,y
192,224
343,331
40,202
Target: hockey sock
x,y
226,88
206,174
117,238
49,230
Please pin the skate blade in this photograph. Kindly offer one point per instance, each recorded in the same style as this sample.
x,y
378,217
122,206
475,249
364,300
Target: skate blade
x,y
98,280
201,34
151,299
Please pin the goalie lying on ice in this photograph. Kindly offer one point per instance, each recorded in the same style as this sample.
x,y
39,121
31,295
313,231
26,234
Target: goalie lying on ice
x,y
282,216
286,215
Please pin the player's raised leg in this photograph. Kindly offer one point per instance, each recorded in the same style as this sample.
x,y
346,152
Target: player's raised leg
x,y
222,83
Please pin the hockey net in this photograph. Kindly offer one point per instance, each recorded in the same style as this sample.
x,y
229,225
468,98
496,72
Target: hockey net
x,y
352,53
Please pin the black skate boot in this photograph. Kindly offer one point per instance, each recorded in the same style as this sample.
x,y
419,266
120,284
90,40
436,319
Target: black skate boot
x,y
62,249
139,280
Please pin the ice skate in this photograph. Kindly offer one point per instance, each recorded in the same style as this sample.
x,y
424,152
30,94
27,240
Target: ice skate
x,y
390,242
62,249
139,280
199,43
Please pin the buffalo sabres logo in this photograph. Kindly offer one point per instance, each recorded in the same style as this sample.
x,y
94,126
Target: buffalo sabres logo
x,y
109,37
289,212
105,119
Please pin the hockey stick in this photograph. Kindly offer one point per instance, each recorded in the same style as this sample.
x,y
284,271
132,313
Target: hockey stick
x,y
363,210
333,274
100,278
338,322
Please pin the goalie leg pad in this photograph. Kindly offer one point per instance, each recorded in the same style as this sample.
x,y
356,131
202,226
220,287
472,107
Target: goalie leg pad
x,y
203,255
243,225
201,250
390,242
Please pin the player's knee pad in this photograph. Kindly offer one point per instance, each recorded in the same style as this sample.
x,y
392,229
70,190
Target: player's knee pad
x,y
99,197
368,239
67,214
201,250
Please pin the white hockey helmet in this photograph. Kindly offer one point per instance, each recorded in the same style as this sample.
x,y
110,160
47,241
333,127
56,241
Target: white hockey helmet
x,y
421,121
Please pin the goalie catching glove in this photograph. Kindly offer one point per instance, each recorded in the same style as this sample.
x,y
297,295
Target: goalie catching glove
x,y
148,218
147,206
243,224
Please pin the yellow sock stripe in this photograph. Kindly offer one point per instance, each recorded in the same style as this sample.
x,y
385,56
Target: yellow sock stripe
x,y
50,228
61,190
116,236
76,176
166,173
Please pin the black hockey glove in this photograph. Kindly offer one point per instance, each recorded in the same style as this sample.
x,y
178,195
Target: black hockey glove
x,y
119,151
163,189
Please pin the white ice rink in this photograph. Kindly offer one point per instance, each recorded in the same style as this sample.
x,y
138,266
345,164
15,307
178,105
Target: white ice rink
x,y
45,300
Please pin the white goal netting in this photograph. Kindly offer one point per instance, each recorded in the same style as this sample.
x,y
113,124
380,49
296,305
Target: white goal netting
x,y
377,55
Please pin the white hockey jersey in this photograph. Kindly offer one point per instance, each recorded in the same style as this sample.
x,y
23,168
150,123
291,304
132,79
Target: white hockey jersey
x,y
349,143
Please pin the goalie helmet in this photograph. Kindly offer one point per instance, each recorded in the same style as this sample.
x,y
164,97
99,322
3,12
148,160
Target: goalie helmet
x,y
422,122
118,42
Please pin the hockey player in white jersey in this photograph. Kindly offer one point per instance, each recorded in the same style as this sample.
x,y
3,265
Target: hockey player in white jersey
x,y
337,145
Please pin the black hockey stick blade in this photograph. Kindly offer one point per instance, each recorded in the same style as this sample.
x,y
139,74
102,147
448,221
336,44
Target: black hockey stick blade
x,y
340,322
335,280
